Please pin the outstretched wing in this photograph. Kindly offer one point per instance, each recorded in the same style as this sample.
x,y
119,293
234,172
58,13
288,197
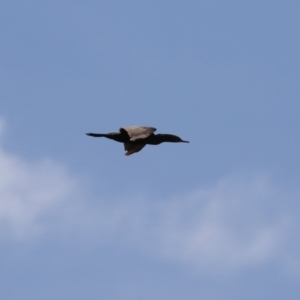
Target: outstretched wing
x,y
137,132
133,148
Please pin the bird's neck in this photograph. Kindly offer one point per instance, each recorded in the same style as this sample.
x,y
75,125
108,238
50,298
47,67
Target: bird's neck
x,y
158,139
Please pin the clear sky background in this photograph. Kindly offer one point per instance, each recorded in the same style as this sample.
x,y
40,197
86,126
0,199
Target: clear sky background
x,y
214,219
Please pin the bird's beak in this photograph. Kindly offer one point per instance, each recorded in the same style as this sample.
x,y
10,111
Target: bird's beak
x,y
184,141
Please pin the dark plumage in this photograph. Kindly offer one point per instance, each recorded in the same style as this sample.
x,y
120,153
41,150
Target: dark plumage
x,y
135,138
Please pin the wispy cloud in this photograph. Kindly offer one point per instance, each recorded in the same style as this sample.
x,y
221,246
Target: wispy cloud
x,y
228,226
30,193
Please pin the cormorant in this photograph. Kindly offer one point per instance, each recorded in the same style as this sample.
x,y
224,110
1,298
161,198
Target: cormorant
x,y
135,138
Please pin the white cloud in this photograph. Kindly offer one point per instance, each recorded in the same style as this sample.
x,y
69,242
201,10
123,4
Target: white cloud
x,y
225,227
30,192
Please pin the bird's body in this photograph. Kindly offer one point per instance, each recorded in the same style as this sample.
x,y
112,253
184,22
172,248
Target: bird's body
x,y
135,138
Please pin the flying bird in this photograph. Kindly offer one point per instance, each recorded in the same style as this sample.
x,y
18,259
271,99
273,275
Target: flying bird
x,y
135,138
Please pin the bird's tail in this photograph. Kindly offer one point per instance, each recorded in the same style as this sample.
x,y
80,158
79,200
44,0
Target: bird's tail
x,y
97,134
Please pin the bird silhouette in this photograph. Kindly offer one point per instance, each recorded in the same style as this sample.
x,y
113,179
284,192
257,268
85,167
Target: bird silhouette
x,y
135,138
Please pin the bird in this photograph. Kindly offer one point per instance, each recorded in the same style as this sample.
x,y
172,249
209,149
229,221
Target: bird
x,y
135,138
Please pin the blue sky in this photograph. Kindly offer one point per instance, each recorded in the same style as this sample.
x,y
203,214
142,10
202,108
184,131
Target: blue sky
x,y
213,219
